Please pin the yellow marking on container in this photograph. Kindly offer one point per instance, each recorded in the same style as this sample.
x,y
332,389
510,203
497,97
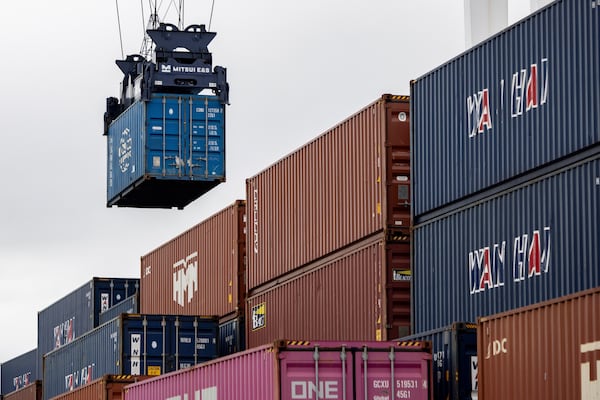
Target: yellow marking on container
x,y
378,335
153,370
378,208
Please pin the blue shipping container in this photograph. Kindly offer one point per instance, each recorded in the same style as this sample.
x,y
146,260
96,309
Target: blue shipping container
x,y
533,242
524,98
167,152
232,336
79,312
454,360
19,372
131,344
128,306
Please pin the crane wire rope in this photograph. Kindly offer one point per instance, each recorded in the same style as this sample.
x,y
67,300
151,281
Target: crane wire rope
x,y
211,14
119,25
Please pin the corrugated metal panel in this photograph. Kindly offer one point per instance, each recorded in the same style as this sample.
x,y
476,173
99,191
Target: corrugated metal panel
x,y
341,297
232,336
454,360
130,305
109,387
517,101
131,345
78,312
349,370
346,184
174,142
534,242
547,351
33,391
201,271
19,372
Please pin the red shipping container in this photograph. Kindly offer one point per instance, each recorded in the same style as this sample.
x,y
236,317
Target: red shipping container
x,y
348,183
550,350
109,387
301,370
201,271
359,293
33,391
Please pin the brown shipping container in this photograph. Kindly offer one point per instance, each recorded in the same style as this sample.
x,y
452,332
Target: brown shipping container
x,y
348,183
33,391
359,293
550,350
109,387
201,271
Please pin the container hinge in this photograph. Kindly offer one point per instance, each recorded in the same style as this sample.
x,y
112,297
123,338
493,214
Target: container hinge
x,y
316,357
343,358
365,357
392,357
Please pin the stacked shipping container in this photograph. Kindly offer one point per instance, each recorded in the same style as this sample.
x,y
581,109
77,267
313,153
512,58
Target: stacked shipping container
x,y
506,170
301,370
79,312
547,351
131,344
32,391
19,372
321,218
108,387
201,272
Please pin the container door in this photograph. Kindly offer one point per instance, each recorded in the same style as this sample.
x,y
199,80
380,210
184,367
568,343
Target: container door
x,y
381,373
398,290
464,359
315,374
185,137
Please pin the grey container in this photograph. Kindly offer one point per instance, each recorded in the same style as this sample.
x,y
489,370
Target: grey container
x,y
79,312
19,372
526,97
455,364
131,344
533,242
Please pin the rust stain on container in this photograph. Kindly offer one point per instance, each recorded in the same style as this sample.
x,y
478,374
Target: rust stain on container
x,y
359,293
348,183
201,271
550,350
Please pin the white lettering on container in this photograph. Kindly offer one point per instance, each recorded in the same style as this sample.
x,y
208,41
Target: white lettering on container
x,y
309,390
185,279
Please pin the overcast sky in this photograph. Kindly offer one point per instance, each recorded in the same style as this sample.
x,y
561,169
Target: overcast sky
x,y
295,69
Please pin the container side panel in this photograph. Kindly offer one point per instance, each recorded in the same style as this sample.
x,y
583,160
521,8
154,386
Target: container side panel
x,y
528,244
254,373
19,372
332,188
509,105
130,305
546,351
33,391
339,298
199,271
232,336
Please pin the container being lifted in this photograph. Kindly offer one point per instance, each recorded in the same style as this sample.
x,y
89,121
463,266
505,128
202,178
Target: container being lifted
x,y
165,136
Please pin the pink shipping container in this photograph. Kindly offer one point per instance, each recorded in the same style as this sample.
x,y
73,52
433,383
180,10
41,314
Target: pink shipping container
x,y
359,293
301,370
33,391
201,271
550,350
348,183
109,387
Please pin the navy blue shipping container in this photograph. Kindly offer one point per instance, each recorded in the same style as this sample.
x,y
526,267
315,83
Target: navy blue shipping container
x,y
19,372
167,152
128,306
454,360
79,312
524,98
232,336
131,344
533,242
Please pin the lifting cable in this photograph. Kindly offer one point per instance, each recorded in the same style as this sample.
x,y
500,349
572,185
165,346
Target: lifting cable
x,y
211,14
120,33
